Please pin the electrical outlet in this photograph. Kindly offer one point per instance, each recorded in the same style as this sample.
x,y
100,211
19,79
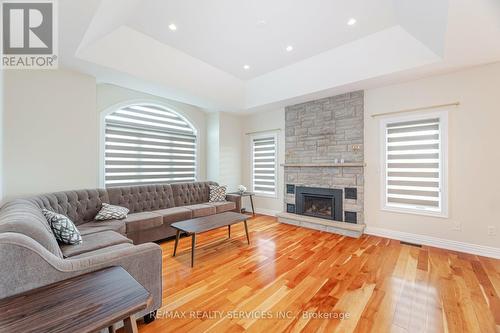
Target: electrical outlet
x,y
457,226
492,230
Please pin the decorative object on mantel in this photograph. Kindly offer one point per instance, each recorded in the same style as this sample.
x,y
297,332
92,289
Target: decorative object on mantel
x,y
323,165
356,147
242,189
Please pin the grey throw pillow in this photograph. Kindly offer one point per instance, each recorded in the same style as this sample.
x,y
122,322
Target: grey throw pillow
x,y
63,228
111,212
217,193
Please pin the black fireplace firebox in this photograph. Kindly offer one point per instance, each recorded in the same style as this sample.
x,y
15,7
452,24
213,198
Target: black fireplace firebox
x,y
319,202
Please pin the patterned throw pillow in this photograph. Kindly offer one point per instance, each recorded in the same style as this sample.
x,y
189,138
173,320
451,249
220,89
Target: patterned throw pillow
x,y
63,228
217,193
110,212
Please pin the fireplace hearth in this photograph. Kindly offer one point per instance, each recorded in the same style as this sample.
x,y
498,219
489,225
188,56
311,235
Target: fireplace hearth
x,y
319,202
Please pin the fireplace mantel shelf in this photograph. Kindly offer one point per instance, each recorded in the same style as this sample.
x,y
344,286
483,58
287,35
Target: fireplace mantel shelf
x,y
323,165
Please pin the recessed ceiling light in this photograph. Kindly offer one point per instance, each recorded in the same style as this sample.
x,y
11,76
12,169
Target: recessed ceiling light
x,y
289,48
246,67
261,22
172,27
352,21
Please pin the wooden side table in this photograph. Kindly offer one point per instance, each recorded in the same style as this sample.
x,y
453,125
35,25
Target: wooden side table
x,y
85,303
246,194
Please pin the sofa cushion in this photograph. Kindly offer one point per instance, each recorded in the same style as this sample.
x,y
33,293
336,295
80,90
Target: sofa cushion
x,y
140,221
191,193
92,242
63,228
111,212
217,193
224,206
98,226
142,198
102,251
201,210
175,214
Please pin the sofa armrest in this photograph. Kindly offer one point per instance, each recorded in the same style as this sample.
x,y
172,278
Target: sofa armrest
x,y
25,265
236,199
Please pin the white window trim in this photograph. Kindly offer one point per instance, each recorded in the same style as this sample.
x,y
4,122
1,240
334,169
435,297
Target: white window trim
x,y
152,102
443,130
276,153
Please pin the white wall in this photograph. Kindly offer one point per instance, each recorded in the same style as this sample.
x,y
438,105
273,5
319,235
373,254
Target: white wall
x,y
264,121
224,149
230,150
474,156
213,151
111,96
50,131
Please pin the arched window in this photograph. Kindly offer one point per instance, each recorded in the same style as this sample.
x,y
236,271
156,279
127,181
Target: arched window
x,y
148,144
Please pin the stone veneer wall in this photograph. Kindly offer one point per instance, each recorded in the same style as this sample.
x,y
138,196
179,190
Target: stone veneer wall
x,y
319,132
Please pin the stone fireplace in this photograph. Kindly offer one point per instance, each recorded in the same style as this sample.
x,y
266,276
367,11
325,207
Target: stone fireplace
x,y
324,164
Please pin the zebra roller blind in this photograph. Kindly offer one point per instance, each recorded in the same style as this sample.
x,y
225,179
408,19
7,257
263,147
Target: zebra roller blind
x,y
147,144
264,164
414,164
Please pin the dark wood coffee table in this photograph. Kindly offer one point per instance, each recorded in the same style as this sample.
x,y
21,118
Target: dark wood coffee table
x,y
85,303
207,223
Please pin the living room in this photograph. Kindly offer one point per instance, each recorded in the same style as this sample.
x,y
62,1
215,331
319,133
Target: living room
x,y
220,166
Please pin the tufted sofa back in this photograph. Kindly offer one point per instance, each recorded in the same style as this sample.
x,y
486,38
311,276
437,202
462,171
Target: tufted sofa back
x,y
191,193
80,206
24,217
142,198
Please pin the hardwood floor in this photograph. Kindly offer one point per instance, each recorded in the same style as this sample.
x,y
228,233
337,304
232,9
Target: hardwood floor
x,y
288,276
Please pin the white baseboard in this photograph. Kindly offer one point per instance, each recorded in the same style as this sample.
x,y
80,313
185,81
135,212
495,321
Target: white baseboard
x,y
487,251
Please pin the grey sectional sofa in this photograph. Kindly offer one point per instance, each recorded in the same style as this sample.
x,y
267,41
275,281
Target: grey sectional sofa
x,y
30,256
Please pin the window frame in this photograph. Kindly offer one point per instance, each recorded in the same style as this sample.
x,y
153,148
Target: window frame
x,y
443,164
274,134
140,102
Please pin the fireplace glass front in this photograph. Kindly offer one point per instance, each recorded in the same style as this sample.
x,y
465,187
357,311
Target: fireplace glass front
x,y
319,202
318,206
